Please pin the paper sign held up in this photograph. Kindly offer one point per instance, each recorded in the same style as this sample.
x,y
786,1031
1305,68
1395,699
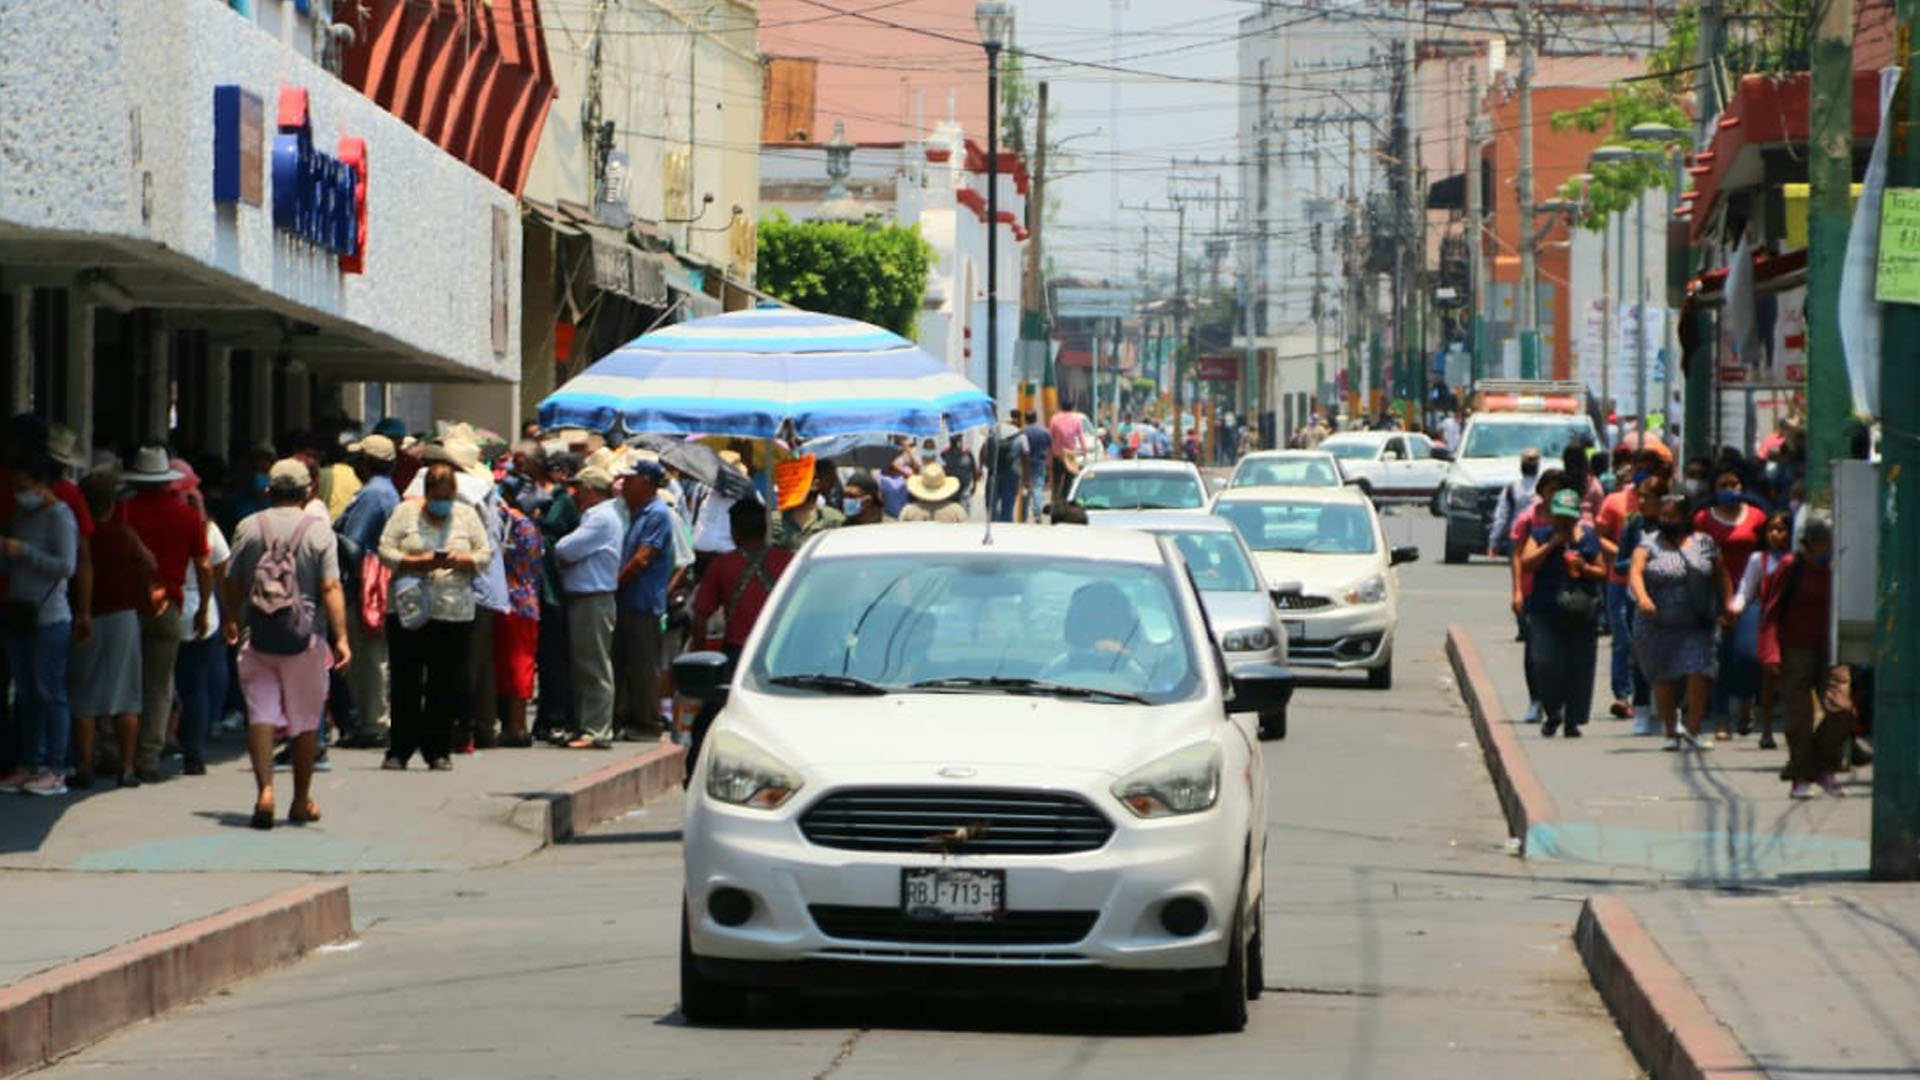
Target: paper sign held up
x,y
793,479
1897,278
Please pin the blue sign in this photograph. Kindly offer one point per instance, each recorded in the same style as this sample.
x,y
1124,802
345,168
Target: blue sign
x,y
314,193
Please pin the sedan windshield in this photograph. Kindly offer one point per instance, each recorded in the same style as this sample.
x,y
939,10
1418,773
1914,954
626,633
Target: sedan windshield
x,y
1326,528
1131,490
1286,472
1351,451
1217,561
1099,631
1549,437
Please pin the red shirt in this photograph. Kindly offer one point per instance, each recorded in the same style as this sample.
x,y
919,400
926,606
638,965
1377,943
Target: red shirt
x,y
119,580
1738,540
172,530
1799,620
1612,521
721,581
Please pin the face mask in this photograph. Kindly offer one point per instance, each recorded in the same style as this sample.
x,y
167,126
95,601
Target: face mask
x,y
1824,560
852,507
1529,468
29,500
929,455
1640,477
1694,488
1726,498
440,508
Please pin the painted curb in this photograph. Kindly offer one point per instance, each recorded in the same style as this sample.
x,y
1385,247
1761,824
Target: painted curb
x,y
55,1012
565,811
1670,1030
1523,799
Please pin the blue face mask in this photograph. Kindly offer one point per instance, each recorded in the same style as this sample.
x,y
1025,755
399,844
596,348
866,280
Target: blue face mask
x,y
440,508
1726,497
1824,560
29,500
853,506
1640,477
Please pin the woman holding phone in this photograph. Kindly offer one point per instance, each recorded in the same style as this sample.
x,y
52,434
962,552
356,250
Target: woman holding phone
x,y
434,546
1563,555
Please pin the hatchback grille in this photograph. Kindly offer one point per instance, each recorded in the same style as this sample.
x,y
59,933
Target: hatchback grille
x,y
918,819
1299,602
1011,928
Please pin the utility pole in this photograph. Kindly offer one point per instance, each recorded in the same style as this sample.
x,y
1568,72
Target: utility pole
x,y
1033,291
1896,682
1830,176
1700,377
1529,304
1179,208
1355,310
1400,177
1476,228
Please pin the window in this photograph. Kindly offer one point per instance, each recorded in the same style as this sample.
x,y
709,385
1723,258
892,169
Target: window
x,y
1139,490
1324,528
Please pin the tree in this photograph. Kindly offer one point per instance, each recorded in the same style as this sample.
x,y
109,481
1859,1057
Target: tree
x,y
860,270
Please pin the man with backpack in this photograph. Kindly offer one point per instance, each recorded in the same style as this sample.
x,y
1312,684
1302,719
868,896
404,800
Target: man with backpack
x,y
1002,460
285,566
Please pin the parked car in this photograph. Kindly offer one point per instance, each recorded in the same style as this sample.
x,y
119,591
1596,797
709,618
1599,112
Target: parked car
x,y
1237,597
1390,465
1340,606
944,766
1287,468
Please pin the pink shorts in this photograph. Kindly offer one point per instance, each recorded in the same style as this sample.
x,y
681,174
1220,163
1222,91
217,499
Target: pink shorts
x,y
286,693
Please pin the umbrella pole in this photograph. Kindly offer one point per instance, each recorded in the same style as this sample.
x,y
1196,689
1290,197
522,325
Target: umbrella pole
x,y
770,495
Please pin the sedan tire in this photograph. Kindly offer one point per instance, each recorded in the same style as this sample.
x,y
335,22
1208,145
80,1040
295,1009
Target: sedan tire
x,y
1223,1006
704,1002
1381,678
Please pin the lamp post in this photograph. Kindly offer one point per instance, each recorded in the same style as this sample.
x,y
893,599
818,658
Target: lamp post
x,y
994,19
1614,155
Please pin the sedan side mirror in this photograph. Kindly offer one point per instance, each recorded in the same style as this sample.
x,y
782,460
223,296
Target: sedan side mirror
x,y
702,676
1260,687
1441,453
1404,555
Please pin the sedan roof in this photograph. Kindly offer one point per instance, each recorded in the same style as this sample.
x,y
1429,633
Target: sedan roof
x,y
928,538
1331,496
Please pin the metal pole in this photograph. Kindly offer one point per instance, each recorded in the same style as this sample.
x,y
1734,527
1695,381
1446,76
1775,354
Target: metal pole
x,y
1476,215
1179,325
1640,307
993,224
1830,176
1529,313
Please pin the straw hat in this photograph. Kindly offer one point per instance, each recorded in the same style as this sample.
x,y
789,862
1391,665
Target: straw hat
x,y
465,455
733,460
150,466
932,484
63,446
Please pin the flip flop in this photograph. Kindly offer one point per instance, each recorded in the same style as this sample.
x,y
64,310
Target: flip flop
x,y
262,818
300,816
588,742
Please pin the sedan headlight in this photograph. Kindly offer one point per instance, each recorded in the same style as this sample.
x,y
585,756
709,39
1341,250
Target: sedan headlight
x,y
1463,496
1184,782
1253,639
742,774
1371,591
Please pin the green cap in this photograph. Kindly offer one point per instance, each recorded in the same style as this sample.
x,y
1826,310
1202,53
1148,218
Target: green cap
x,y
1566,503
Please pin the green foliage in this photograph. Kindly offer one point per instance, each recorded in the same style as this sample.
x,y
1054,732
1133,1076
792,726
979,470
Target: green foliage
x,y
861,270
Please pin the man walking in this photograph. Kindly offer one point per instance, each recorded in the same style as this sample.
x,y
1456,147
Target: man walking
x,y
359,527
285,569
1039,447
173,531
962,466
1004,454
589,562
646,564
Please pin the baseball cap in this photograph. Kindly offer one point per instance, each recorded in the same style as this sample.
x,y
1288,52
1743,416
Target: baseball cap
x,y
1566,503
649,469
289,474
595,477
377,447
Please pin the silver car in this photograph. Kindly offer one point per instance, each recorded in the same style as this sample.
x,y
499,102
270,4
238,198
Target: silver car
x,y
1238,600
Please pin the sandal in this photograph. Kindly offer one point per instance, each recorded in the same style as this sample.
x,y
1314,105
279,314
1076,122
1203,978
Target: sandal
x,y
588,742
262,818
304,814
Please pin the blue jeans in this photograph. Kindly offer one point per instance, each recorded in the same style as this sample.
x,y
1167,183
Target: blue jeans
x,y
1739,670
1006,495
1628,683
1036,497
37,661
200,677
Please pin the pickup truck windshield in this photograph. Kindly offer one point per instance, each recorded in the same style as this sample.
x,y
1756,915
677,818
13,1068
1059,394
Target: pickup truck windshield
x,y
1511,438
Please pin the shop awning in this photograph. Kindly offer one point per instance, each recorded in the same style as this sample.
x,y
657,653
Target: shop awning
x,y
621,264
1448,193
1768,111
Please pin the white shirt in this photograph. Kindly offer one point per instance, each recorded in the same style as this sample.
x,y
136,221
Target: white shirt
x,y
1450,432
218,553
713,525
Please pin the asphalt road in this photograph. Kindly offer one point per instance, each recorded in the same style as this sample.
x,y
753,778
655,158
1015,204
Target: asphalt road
x,y
1404,942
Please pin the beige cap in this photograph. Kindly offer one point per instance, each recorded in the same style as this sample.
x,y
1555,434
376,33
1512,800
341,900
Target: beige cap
x,y
377,447
289,474
595,477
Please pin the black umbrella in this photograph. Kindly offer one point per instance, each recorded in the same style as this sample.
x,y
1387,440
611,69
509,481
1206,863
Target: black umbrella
x,y
860,451
698,461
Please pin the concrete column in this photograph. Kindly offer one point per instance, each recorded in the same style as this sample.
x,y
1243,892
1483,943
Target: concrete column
x,y
260,424
78,408
159,378
218,404
299,396
20,379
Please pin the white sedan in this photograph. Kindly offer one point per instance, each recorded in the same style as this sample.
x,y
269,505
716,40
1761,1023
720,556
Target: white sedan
x,y
1390,465
1151,484
1287,468
944,766
1332,573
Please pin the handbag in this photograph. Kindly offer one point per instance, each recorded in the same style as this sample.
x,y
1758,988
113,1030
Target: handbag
x,y
1703,598
1577,601
407,599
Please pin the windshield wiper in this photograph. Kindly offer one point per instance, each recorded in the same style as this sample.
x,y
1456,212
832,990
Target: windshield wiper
x,y
823,681
1020,685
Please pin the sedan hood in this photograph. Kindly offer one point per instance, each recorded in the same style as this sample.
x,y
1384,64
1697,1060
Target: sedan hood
x,y
1230,611
1484,472
1318,574
956,729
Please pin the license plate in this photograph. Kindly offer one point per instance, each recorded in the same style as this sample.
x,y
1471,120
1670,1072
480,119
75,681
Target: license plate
x,y
953,895
1296,630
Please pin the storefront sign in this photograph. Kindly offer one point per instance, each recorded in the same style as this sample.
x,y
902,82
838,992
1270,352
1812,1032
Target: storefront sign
x,y
1732,374
1218,369
239,138
317,197
1898,277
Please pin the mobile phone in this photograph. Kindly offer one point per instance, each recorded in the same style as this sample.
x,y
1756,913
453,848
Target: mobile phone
x,y
441,554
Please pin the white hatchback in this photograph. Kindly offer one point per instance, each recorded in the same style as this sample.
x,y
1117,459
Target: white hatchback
x,y
946,764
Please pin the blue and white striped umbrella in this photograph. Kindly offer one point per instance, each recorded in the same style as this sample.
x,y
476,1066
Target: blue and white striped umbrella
x,y
746,372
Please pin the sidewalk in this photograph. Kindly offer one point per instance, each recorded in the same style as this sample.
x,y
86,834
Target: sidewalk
x,y
1762,948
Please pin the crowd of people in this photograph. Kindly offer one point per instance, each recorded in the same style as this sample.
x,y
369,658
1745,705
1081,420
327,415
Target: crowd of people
x,y
1712,581
425,595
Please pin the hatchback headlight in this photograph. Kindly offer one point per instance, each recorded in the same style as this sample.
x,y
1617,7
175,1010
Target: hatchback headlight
x,y
1255,639
742,774
1371,591
1184,782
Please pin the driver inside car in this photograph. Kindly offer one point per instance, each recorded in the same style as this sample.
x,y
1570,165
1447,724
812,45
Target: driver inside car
x,y
1101,627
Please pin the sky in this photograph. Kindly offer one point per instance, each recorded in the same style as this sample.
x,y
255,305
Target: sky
x,y
1128,154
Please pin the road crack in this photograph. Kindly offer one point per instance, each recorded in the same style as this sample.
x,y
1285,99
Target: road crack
x,y
840,1057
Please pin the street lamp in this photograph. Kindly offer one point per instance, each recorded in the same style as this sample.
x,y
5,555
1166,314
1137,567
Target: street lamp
x,y
1616,155
994,20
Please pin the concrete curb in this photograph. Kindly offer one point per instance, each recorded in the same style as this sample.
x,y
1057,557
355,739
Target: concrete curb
x,y
1523,799
1670,1030
569,809
62,1009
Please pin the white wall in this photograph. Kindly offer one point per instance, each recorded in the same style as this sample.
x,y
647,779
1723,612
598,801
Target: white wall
x,y
106,129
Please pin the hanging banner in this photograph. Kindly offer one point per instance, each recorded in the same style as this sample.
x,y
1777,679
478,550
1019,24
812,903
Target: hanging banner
x,y
1859,312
